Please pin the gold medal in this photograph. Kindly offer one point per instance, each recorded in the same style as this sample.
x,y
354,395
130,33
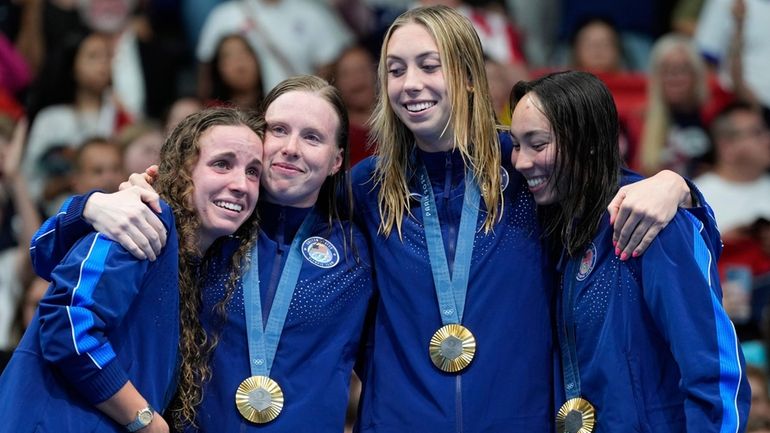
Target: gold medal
x,y
259,399
452,348
577,415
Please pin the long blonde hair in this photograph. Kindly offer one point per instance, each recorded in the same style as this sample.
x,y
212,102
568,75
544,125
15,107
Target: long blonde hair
x,y
472,119
658,118
178,157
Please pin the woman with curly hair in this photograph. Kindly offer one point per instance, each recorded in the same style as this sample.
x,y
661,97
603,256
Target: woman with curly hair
x,y
101,353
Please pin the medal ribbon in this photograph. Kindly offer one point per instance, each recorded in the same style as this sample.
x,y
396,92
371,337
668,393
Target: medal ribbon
x,y
450,290
567,333
263,343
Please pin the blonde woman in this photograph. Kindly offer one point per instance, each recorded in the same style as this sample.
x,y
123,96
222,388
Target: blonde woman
x,y
674,134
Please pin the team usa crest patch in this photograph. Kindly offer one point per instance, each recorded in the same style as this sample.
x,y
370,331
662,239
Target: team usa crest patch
x,y
587,263
320,252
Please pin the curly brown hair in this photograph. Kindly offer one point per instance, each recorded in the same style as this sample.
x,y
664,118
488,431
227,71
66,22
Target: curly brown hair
x,y
178,157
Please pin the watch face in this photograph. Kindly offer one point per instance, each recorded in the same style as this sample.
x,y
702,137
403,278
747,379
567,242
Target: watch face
x,y
145,416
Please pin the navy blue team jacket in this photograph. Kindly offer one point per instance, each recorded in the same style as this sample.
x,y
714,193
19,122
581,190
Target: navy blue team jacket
x,y
320,340
509,385
655,350
107,318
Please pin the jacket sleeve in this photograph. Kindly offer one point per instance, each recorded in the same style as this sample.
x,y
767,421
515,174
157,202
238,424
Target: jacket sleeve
x,y
681,288
91,292
703,212
57,235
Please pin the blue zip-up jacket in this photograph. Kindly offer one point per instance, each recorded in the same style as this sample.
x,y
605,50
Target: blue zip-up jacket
x,y
655,350
320,339
508,387
321,335
107,318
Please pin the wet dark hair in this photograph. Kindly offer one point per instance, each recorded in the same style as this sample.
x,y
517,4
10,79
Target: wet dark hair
x,y
584,121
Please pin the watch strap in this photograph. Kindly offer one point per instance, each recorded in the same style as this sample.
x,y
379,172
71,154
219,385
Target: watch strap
x,y
142,420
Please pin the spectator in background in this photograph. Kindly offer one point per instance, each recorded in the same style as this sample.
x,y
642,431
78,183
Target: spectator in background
x,y
15,74
144,71
178,110
78,103
739,46
25,310
14,205
290,37
236,75
738,189
140,144
98,165
760,399
638,23
43,25
355,76
684,17
674,134
596,47
739,185
759,425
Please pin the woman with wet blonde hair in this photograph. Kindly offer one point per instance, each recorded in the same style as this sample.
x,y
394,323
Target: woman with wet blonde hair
x,y
469,98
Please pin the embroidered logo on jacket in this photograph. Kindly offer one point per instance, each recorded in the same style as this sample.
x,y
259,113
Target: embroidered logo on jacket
x,y
587,263
320,252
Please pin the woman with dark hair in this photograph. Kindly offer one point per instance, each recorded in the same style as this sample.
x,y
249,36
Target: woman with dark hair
x,y
645,344
101,353
74,103
277,350
236,75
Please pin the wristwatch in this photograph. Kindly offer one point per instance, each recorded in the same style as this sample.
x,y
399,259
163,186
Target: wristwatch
x,y
142,420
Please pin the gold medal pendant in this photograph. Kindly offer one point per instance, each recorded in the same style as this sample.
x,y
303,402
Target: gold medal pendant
x,y
577,415
259,399
452,348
